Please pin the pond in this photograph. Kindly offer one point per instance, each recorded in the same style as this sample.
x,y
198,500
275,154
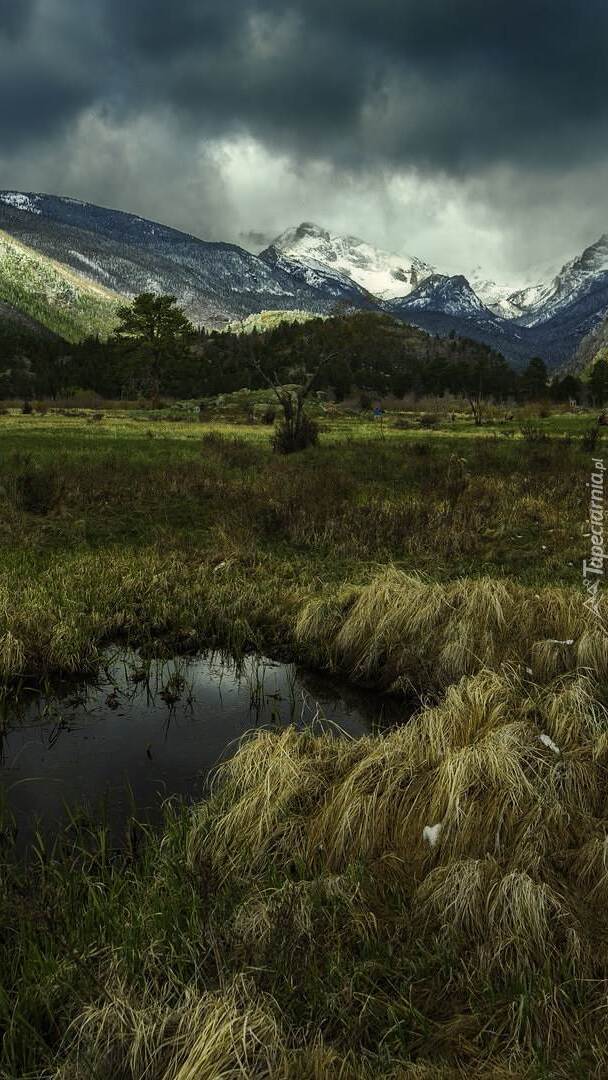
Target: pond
x,y
149,729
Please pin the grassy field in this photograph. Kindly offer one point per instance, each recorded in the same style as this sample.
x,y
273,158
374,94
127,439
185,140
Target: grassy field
x,y
194,533
430,902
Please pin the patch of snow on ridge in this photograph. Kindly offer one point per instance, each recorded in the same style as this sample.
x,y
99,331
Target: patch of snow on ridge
x,y
90,263
21,202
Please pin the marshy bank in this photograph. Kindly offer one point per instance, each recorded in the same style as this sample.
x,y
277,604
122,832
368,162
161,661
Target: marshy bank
x,y
393,631
150,729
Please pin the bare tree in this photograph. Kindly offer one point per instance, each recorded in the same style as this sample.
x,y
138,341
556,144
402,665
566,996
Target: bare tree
x,y
477,402
296,423
475,391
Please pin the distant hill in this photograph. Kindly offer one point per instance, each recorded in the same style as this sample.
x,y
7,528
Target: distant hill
x,y
43,293
268,320
365,350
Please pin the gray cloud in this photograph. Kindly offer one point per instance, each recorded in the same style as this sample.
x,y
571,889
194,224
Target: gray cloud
x,y
438,85
13,17
445,124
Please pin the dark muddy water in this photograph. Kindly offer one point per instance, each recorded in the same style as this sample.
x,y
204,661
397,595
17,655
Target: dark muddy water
x,y
147,730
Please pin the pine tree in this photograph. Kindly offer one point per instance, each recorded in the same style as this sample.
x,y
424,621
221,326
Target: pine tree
x,y
534,379
155,334
598,381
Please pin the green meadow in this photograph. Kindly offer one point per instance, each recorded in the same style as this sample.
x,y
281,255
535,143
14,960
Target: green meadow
x,y
429,901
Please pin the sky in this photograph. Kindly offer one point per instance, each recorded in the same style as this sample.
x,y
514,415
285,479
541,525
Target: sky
x,y
466,132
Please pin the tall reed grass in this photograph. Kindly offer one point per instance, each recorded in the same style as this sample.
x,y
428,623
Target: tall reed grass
x,y
402,629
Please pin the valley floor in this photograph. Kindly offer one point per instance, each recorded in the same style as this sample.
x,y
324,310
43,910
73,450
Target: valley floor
x,y
430,902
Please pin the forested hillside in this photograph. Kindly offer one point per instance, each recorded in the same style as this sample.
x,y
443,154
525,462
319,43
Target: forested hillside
x,y
354,353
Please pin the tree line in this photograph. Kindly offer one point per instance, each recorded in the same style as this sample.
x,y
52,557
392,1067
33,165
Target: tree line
x,y
155,352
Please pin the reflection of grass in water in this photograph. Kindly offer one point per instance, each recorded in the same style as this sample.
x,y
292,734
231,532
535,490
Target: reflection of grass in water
x,y
156,679
290,704
54,707
265,696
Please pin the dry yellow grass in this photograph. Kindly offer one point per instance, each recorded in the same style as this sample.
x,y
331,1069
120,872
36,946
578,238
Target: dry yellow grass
x,y
476,765
202,1037
402,630
489,760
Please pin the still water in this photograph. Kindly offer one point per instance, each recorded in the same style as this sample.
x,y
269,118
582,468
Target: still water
x,y
150,729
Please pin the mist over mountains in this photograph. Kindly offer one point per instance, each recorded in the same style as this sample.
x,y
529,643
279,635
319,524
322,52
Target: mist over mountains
x,y
66,265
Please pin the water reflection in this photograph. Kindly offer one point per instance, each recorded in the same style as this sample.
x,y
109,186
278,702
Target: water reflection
x,y
148,729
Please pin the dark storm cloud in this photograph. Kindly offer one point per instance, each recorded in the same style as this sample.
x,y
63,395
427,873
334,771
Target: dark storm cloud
x,y
439,84
14,16
445,84
53,64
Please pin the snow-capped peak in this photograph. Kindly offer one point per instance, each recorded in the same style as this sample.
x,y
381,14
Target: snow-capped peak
x,y
449,295
381,273
495,296
541,302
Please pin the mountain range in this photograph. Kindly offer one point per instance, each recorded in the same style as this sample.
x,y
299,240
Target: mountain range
x,y
66,265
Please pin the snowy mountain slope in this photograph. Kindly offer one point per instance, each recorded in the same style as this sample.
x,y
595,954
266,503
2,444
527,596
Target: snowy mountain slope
x,y
378,272
214,282
576,278
19,201
494,296
315,275
442,305
559,338
49,293
512,300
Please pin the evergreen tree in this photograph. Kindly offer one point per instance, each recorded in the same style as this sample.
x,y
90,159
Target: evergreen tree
x,y
598,382
156,335
567,389
534,380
